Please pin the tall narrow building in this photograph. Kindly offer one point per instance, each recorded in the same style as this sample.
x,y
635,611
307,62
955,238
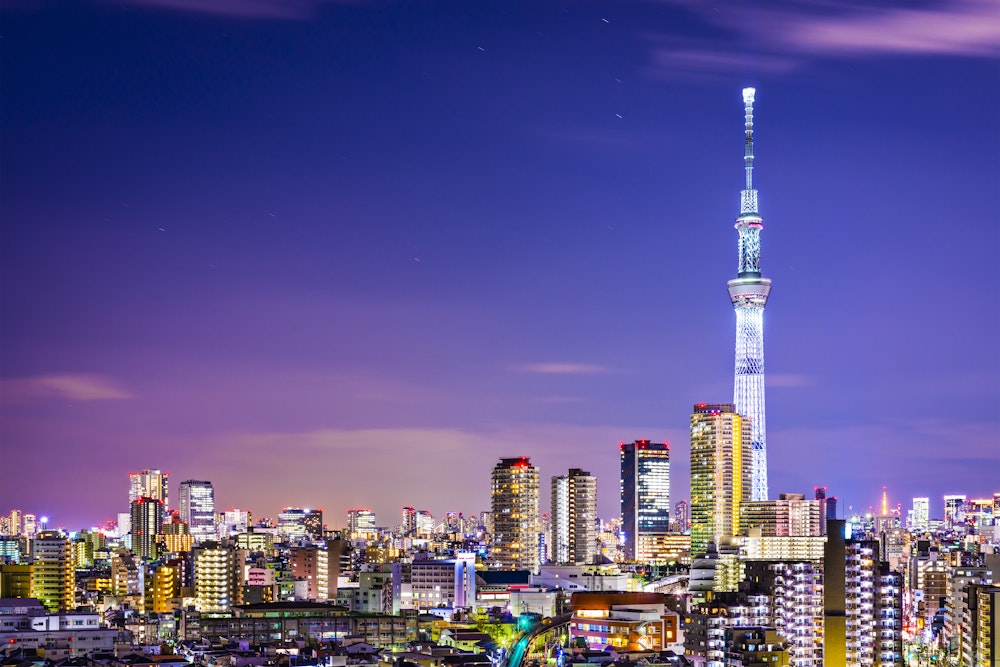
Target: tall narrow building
x,y
573,520
147,524
515,514
197,506
748,293
720,474
645,494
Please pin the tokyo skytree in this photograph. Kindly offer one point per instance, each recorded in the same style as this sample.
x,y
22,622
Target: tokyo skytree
x,y
748,292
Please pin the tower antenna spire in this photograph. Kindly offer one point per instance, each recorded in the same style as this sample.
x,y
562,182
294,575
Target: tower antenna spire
x,y
748,293
748,95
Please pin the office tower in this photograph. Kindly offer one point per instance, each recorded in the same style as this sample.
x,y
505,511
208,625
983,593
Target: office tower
x,y
514,504
147,524
748,293
234,521
645,494
149,484
954,510
573,519
361,522
53,577
14,524
217,574
409,525
295,523
920,518
197,506
721,473
30,525
425,523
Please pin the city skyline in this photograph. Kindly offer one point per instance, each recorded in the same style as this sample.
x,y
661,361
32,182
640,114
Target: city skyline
x,y
345,248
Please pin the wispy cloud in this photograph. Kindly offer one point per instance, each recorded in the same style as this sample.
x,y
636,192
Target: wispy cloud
x,y
77,387
561,368
788,35
963,28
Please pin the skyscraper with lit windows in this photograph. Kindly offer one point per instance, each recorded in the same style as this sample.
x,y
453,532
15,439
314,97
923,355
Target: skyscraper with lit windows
x,y
146,526
197,508
721,473
645,492
573,525
149,484
53,575
514,504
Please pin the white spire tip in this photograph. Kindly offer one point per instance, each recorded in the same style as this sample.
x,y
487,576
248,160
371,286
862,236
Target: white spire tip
x,y
748,94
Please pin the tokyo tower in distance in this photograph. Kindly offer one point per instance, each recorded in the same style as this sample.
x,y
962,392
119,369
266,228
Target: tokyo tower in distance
x,y
748,292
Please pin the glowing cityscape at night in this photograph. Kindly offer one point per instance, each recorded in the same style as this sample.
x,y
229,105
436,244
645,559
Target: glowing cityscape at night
x,y
359,333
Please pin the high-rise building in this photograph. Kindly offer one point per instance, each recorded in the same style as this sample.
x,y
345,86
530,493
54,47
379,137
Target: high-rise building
x,y
721,473
361,522
217,574
147,524
311,566
790,515
788,595
954,506
514,495
645,492
748,293
14,523
53,577
863,608
295,523
149,484
197,506
409,525
425,523
574,516
920,517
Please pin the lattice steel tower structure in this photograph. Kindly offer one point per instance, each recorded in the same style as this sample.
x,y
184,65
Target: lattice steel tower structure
x,y
748,292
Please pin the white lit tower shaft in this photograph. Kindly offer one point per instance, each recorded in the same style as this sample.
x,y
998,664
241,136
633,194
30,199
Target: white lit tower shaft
x,y
748,292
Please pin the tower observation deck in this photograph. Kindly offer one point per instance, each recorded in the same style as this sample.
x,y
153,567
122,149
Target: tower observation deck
x,y
748,293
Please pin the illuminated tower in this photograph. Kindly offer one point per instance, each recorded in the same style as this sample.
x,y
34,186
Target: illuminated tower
x,y
748,292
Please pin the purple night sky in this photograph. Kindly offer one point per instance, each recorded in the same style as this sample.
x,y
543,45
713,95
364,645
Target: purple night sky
x,y
339,254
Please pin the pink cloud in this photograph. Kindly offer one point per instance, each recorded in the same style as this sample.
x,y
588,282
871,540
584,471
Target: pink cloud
x,y
791,33
968,28
561,368
77,387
